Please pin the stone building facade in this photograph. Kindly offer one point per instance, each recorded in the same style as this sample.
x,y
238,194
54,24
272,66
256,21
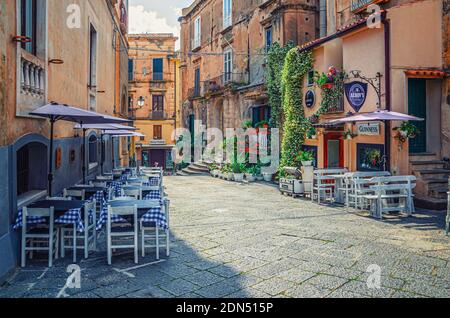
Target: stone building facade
x,y
60,51
153,89
223,56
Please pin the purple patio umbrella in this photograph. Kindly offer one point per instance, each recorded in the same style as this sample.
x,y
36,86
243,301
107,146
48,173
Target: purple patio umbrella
x,y
56,112
378,115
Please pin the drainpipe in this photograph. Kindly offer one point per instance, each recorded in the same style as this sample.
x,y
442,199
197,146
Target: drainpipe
x,y
323,18
387,70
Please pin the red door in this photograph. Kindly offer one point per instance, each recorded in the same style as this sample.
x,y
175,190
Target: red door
x,y
334,150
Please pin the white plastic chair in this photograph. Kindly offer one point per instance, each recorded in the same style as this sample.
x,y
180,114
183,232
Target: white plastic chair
x,y
40,235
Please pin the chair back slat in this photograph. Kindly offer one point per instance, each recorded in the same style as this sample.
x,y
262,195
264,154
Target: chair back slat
x,y
37,212
74,193
122,210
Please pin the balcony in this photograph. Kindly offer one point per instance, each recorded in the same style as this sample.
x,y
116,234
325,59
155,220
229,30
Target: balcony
x,y
339,108
217,84
195,92
159,115
32,83
158,76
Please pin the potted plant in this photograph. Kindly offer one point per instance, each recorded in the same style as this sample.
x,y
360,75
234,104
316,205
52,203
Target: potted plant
x,y
305,158
326,81
349,135
311,133
213,169
251,172
406,131
238,171
229,172
267,176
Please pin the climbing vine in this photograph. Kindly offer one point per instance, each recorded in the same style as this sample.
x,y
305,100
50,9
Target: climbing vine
x,y
297,64
275,61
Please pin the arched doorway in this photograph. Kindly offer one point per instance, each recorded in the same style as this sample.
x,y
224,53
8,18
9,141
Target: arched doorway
x,y
29,166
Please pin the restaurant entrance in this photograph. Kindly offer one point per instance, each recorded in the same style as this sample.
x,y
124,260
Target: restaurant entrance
x,y
334,150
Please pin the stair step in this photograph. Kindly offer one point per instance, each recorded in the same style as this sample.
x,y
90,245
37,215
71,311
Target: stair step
x,y
426,162
422,156
430,203
432,171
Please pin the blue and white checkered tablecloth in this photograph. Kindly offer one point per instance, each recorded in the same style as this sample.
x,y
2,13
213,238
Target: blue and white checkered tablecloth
x,y
72,216
155,215
153,182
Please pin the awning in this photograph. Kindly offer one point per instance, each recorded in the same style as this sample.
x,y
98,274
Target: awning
x,y
379,115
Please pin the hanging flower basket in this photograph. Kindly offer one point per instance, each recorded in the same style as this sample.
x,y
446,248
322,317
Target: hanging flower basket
x,y
328,86
21,39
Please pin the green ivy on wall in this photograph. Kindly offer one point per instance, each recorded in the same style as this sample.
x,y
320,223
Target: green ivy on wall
x,y
296,66
275,61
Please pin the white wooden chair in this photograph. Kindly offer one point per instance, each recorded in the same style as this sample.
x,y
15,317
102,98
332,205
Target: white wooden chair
x,y
384,193
39,238
151,234
394,193
134,193
323,184
122,198
70,237
78,194
117,233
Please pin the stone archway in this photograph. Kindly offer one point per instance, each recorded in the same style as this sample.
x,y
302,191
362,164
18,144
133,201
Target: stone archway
x,y
216,115
29,165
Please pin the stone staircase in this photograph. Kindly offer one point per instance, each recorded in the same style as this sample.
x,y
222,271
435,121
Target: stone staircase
x,y
432,180
196,168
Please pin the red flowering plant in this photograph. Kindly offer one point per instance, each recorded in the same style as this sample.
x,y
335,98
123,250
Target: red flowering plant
x,y
326,81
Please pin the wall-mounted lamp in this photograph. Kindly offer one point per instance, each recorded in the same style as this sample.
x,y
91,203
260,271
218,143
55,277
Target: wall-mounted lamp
x,y
56,61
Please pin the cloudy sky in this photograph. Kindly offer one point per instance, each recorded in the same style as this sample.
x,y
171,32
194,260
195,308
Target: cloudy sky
x,y
156,16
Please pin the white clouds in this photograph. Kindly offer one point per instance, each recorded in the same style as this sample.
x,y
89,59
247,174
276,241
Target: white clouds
x,y
143,21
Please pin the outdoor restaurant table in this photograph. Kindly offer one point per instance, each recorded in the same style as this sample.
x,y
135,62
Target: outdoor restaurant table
x,y
338,184
66,212
149,211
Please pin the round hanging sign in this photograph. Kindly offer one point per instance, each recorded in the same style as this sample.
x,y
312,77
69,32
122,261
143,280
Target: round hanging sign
x,y
310,98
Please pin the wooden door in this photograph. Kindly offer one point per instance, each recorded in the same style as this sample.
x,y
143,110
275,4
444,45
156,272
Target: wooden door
x,y
417,100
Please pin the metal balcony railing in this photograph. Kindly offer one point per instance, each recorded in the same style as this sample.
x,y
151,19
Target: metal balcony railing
x,y
195,92
159,115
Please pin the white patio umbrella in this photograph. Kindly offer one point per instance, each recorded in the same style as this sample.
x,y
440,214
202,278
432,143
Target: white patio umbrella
x,y
122,133
103,128
378,115
56,112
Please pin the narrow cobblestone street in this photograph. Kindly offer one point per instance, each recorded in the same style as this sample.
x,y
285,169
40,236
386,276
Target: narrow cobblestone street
x,y
246,240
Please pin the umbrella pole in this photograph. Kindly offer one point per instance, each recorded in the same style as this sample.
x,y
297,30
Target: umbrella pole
x,y
84,156
50,164
102,154
112,152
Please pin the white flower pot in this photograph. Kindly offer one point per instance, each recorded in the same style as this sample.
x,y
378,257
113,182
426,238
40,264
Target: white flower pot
x,y
238,177
259,178
250,177
306,163
267,177
229,176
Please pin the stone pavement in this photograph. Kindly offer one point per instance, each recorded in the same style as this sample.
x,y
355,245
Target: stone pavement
x,y
239,240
